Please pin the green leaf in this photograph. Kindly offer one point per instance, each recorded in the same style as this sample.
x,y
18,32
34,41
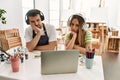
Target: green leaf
x,y
2,17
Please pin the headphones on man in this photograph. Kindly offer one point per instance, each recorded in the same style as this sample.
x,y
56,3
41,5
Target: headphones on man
x,y
33,12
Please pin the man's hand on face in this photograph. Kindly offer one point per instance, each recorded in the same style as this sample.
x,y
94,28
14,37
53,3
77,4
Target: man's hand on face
x,y
36,28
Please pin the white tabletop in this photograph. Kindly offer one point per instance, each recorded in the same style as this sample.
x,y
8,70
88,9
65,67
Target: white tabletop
x,y
30,70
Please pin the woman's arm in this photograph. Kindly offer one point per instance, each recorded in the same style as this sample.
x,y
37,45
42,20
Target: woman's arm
x,y
70,43
81,49
88,43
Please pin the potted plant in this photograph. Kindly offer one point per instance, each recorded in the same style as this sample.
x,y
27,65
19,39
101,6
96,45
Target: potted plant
x,y
2,17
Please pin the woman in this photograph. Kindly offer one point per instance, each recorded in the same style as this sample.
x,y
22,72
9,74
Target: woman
x,y
78,38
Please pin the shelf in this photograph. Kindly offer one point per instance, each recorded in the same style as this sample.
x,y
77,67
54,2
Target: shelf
x,y
112,51
113,44
10,38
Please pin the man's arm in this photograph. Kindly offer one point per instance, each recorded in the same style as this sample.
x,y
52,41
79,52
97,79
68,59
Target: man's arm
x,y
50,46
32,44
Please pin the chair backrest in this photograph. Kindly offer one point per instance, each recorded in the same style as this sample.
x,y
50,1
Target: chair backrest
x,y
10,38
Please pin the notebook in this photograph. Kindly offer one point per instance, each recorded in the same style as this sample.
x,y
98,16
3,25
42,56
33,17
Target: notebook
x,y
59,62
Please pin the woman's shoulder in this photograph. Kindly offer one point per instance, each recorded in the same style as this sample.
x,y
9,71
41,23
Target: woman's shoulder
x,y
88,33
67,36
88,37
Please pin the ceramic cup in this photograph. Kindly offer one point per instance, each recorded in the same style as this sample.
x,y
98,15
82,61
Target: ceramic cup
x,y
15,61
89,63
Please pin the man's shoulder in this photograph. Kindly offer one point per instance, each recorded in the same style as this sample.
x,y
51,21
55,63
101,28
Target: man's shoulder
x,y
29,28
49,26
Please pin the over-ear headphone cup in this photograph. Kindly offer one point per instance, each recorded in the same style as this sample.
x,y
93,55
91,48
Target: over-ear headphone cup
x,y
27,21
42,16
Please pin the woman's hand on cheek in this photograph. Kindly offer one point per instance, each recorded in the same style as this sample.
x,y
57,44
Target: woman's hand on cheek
x,y
73,33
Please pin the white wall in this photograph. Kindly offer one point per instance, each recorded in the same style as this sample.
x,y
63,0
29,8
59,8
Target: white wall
x,y
43,5
14,15
118,13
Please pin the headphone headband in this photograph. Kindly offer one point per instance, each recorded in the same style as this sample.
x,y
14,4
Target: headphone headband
x,y
78,14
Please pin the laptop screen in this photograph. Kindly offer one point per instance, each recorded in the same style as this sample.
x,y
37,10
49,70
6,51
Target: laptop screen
x,y
59,62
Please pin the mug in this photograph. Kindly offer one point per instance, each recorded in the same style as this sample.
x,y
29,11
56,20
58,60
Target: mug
x,y
89,63
15,64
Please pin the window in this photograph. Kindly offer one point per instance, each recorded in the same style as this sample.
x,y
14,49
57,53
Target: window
x,y
54,12
60,10
26,5
57,7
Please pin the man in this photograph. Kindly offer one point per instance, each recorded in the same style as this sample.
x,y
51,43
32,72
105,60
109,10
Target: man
x,y
39,36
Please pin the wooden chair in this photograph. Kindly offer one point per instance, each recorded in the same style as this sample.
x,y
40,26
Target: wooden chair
x,y
95,29
96,40
61,31
10,38
97,45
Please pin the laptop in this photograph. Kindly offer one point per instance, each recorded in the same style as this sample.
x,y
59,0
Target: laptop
x,y
59,62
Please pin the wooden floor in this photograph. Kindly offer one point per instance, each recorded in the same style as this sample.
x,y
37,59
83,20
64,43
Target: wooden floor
x,y
111,66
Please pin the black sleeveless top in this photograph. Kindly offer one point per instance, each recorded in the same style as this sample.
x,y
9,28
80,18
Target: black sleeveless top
x,y
44,39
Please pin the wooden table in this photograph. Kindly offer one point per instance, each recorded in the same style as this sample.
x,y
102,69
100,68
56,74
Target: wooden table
x,y
31,70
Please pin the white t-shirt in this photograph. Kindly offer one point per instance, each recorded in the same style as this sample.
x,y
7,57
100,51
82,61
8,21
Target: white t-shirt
x,y
51,32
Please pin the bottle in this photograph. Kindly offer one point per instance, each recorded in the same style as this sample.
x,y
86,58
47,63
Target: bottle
x,y
26,53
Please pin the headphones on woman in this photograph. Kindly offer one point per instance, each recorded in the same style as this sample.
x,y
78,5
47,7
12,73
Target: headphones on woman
x,y
33,12
72,16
